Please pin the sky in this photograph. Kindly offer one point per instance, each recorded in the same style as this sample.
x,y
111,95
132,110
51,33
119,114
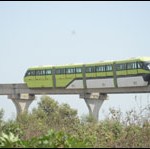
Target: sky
x,y
34,33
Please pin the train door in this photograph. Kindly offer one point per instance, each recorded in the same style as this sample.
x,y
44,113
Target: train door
x,y
60,77
40,78
48,78
121,69
132,69
109,70
100,71
90,72
69,76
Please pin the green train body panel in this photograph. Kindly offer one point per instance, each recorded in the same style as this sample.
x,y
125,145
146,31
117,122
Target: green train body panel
x,y
121,73
39,81
64,79
61,82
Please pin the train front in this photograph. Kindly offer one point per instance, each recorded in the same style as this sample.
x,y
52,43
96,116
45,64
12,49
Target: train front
x,y
145,65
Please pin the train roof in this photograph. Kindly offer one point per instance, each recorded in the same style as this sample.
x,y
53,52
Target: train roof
x,y
98,62
133,59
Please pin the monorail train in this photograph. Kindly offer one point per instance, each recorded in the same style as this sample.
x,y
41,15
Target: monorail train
x,y
107,74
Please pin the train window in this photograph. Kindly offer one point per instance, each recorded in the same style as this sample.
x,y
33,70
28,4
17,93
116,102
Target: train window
x,y
57,71
43,72
78,70
37,72
109,68
32,73
100,68
48,72
70,70
40,72
60,71
139,65
131,65
89,69
148,66
28,73
121,67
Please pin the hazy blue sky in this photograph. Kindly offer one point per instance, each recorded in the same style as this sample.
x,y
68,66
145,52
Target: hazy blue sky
x,y
50,33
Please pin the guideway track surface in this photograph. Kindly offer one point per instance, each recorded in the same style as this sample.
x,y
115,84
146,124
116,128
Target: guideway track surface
x,y
21,88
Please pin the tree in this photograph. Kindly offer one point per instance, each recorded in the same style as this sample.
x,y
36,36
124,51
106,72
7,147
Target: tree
x,y
56,116
1,115
1,119
48,105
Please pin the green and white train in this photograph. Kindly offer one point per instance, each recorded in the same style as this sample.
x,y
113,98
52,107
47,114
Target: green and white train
x,y
107,74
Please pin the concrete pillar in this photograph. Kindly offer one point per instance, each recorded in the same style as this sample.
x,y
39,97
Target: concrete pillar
x,y
21,101
94,102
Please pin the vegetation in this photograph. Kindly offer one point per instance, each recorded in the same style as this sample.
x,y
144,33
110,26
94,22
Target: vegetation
x,y
52,125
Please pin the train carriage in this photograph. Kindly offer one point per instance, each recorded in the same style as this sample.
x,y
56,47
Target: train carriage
x,y
107,74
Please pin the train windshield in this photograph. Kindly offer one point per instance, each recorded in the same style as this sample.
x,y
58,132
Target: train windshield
x,y
146,65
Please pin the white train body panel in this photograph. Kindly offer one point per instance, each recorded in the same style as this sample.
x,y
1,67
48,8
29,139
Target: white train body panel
x,y
92,83
76,84
100,83
109,82
131,81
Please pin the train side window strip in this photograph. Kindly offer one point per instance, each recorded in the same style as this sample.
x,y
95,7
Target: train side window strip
x,y
90,69
120,67
100,68
140,65
78,70
108,67
40,72
70,70
57,71
30,73
131,65
60,71
148,66
48,72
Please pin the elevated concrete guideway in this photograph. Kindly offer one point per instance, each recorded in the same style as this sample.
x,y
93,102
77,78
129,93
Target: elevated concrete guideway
x,y
22,96
8,89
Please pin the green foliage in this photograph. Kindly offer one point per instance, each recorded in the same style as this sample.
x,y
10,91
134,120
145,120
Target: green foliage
x,y
54,115
51,125
1,115
51,140
13,127
48,105
60,140
8,140
88,119
1,119
31,125
66,112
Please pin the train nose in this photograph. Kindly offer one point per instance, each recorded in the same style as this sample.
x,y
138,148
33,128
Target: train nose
x,y
146,77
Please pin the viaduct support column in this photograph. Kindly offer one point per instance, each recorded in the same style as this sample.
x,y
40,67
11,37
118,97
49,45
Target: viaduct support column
x,y
94,102
21,101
